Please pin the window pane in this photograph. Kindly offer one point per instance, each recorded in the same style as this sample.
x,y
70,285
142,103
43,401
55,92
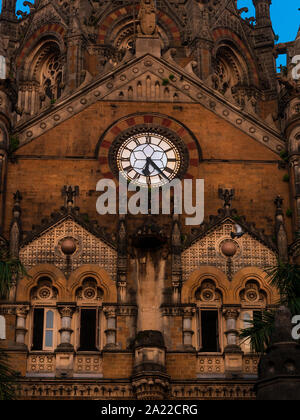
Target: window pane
x,y
49,319
49,339
38,326
210,331
88,329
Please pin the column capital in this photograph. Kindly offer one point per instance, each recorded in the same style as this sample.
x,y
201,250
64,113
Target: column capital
x,y
231,313
22,311
110,311
66,310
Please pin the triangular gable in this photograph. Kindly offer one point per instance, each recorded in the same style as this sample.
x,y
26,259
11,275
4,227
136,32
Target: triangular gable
x,y
44,15
46,249
176,79
206,251
148,86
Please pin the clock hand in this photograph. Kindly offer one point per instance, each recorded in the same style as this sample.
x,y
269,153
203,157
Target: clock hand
x,y
157,168
146,171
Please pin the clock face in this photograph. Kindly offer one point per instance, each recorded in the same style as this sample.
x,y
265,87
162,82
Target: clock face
x,y
149,159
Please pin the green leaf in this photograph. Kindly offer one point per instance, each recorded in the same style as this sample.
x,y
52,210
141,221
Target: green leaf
x,y
260,331
7,378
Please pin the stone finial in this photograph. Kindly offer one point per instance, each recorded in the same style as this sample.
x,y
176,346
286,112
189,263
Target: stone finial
x,y
15,228
227,196
147,18
69,193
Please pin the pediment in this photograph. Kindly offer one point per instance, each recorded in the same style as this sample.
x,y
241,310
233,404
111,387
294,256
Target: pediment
x,y
45,248
149,86
207,251
165,75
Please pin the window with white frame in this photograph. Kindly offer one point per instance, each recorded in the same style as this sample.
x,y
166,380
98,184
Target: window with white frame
x,y
43,329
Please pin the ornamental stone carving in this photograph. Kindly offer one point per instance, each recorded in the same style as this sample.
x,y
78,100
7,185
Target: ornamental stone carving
x,y
147,18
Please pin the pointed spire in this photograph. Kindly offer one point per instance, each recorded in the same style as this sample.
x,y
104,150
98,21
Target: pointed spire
x,y
281,235
15,228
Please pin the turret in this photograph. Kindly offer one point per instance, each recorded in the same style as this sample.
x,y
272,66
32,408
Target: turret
x,y
262,12
9,9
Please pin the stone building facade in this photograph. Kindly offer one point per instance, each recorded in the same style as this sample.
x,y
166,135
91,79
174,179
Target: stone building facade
x,y
134,306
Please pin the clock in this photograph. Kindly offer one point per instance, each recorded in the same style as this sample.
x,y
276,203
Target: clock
x,y
149,159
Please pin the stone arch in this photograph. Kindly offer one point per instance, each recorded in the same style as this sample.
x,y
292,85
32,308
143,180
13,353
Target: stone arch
x,y
27,283
44,33
41,72
204,273
121,23
102,278
294,135
237,53
242,277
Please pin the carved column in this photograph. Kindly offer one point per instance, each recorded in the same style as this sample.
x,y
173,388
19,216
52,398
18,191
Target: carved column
x,y
66,313
111,330
149,379
122,261
188,332
176,261
231,317
21,329
4,144
199,37
233,353
75,48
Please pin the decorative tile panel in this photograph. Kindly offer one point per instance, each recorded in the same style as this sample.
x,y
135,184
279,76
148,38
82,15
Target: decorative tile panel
x,y
251,253
90,250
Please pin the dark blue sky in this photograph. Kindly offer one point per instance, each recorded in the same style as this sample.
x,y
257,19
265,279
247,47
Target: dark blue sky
x,y
285,16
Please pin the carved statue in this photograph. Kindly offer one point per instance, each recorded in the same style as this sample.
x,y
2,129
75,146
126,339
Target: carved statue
x,y
147,18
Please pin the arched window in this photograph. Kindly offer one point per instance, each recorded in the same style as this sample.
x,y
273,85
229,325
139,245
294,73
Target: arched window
x,y
253,300
89,297
209,301
43,296
51,77
2,328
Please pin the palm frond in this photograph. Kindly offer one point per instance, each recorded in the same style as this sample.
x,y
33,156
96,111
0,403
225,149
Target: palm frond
x,y
9,268
7,378
260,332
285,277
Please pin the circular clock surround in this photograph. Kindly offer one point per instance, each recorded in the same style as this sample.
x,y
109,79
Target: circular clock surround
x,y
149,156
